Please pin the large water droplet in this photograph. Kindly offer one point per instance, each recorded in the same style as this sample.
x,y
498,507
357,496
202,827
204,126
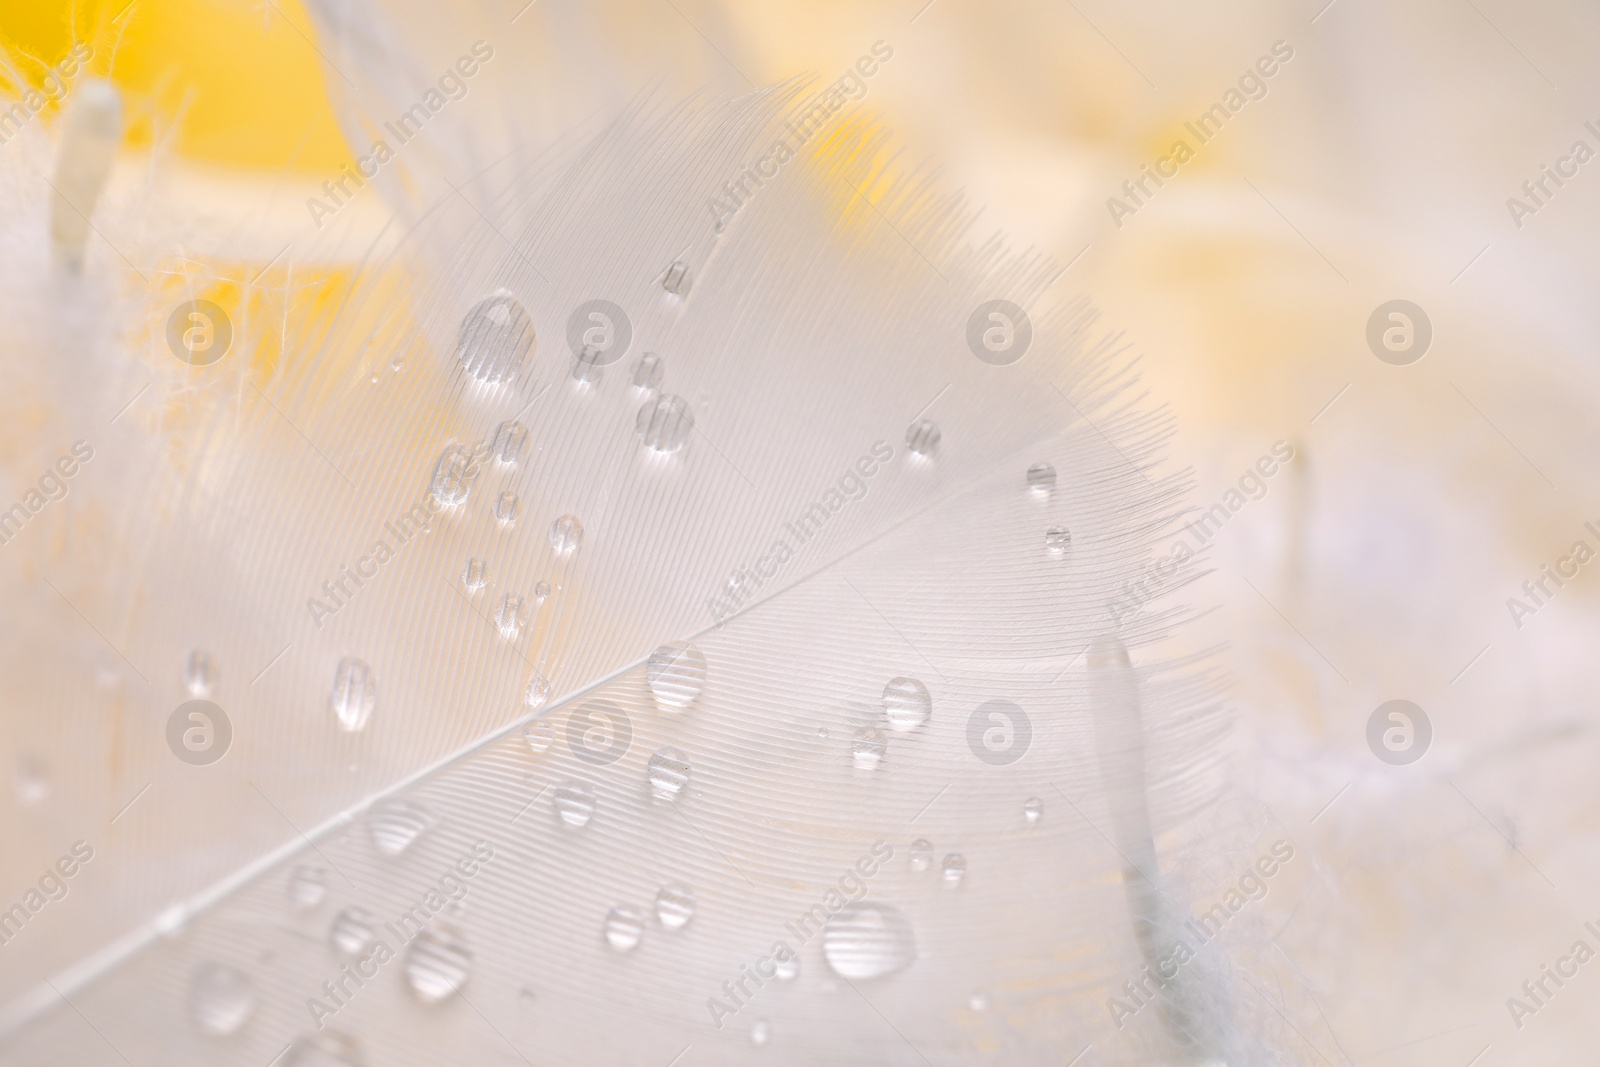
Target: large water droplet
x,y
438,963
539,735
664,422
675,906
505,507
647,372
475,575
453,475
32,783
921,854
676,280
868,747
352,931
677,673
510,616
1057,539
574,802
923,437
624,928
566,534
1032,809
221,999
955,869
866,940
327,1049
395,826
307,887
906,703
668,771
1041,479
354,693
496,335
508,442
536,691
200,674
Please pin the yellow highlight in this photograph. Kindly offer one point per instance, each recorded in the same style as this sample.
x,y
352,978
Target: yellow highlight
x,y
234,84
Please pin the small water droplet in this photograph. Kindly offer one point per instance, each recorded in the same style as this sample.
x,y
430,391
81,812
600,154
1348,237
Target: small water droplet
x,y
453,475
221,999
536,691
668,771
760,1032
906,703
32,784
541,591
675,906
510,616
587,365
624,928
868,940
566,534
979,1001
505,508
395,826
307,887
677,278
1032,809
539,735
868,747
508,442
438,963
921,854
955,869
787,968
923,437
496,335
822,733
676,673
476,574
354,693
352,931
200,674
664,422
372,379
648,371
574,802
1057,539
1041,479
